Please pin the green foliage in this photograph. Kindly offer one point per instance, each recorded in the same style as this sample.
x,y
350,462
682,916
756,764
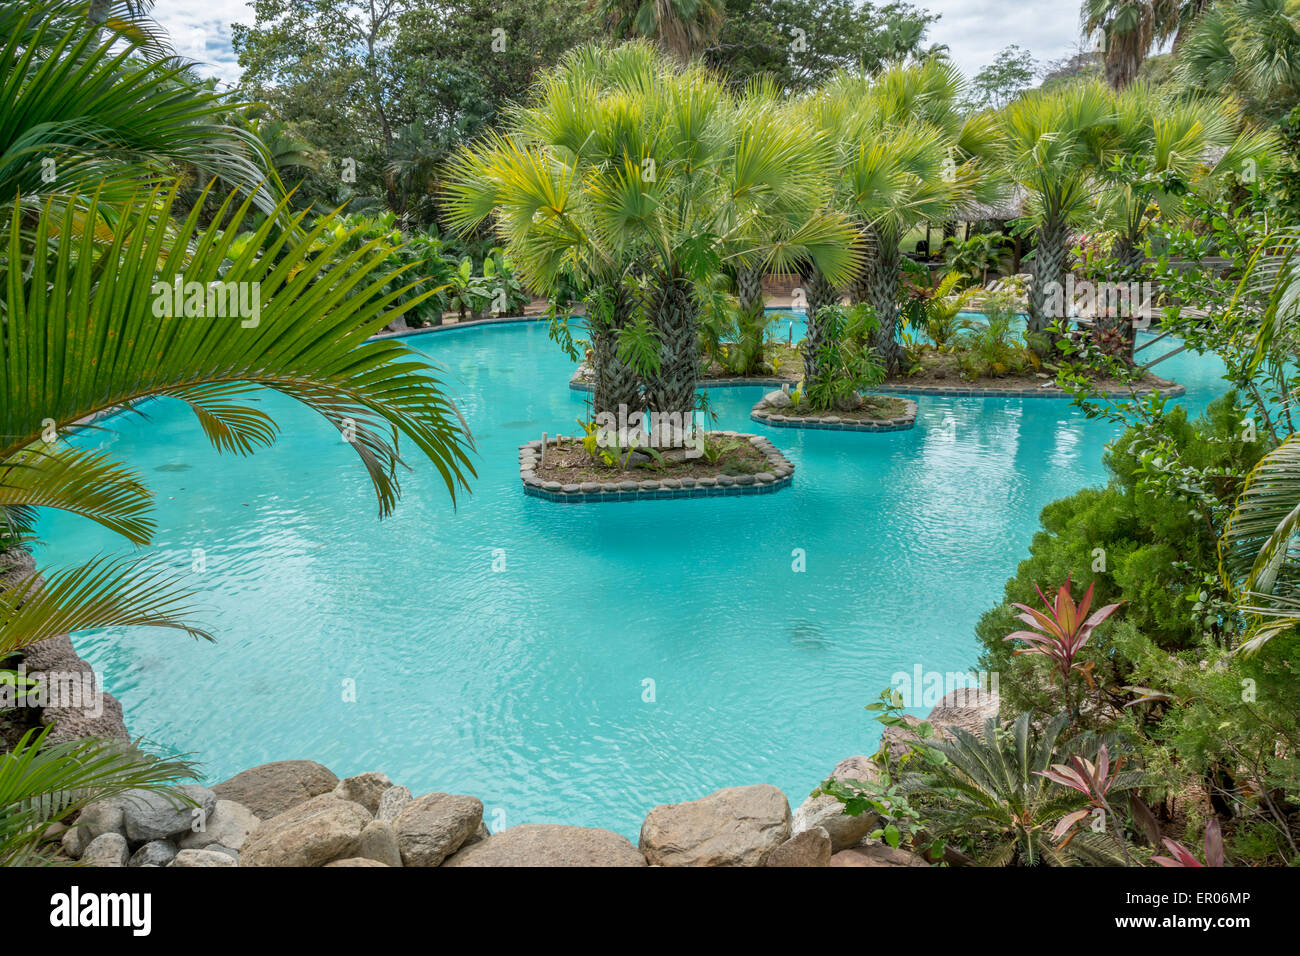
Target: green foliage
x,y
845,363
1148,538
1001,81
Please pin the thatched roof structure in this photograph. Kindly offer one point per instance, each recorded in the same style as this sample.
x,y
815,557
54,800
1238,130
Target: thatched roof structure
x,y
1007,207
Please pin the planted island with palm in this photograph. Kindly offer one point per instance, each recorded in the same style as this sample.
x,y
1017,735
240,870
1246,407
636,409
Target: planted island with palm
x,y
509,254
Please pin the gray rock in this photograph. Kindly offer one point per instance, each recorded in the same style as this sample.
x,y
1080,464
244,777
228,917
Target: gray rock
x,y
272,788
777,399
432,827
109,849
159,816
202,858
365,789
218,848
94,820
229,825
827,813
964,707
76,717
738,826
378,841
546,845
809,848
391,803
153,853
313,833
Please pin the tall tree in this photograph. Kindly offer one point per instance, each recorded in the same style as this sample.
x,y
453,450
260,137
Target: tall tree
x,y
1130,29
682,28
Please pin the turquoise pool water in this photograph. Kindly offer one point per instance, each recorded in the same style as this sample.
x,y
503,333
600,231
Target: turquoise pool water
x,y
528,686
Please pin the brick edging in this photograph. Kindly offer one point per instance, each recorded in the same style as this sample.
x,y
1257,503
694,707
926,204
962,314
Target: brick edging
x,y
780,476
898,423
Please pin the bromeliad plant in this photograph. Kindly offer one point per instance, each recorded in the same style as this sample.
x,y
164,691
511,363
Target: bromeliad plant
x,y
1061,631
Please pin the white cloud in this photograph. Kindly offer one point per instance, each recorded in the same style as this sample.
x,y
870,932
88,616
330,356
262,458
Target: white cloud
x,y
974,30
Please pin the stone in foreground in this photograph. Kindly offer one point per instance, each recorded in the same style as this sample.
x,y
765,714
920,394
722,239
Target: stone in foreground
x,y
202,859
809,848
433,827
230,825
738,826
879,855
314,833
273,788
158,816
535,844
109,849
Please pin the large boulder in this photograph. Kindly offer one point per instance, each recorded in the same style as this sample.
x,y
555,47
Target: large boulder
x,y
536,844
365,789
777,399
738,826
312,833
87,711
378,842
433,827
964,707
809,848
150,815
355,861
95,820
273,788
876,855
229,825
828,813
107,850
899,739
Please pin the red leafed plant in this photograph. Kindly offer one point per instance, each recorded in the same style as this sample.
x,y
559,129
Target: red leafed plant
x,y
1182,857
1094,781
1061,631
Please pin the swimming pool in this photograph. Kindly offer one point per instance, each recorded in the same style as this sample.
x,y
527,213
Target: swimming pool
x,y
573,664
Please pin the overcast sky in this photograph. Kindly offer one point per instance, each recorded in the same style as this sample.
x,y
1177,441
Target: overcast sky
x,y
974,30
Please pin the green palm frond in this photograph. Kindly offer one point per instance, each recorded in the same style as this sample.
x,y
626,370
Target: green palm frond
x,y
82,482
86,335
106,592
42,784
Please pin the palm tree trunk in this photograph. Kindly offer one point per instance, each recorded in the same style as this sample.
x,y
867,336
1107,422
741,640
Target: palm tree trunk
x,y
616,381
877,286
821,294
1050,256
749,288
673,310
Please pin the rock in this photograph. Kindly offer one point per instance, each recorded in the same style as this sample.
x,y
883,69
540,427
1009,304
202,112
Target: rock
x,y
378,842
432,827
777,399
827,813
391,803
273,788
900,739
91,713
848,403
964,707
158,816
153,853
218,848
478,836
202,858
809,848
108,849
365,789
535,844
94,820
312,833
738,826
229,825
878,855
354,861
861,768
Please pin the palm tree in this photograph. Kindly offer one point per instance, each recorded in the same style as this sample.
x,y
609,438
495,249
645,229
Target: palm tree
x,y
79,115
91,310
904,154
1058,144
682,28
632,168
1247,47
1130,29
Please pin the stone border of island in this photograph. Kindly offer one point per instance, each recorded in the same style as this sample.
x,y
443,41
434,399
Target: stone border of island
x,y
780,474
831,420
